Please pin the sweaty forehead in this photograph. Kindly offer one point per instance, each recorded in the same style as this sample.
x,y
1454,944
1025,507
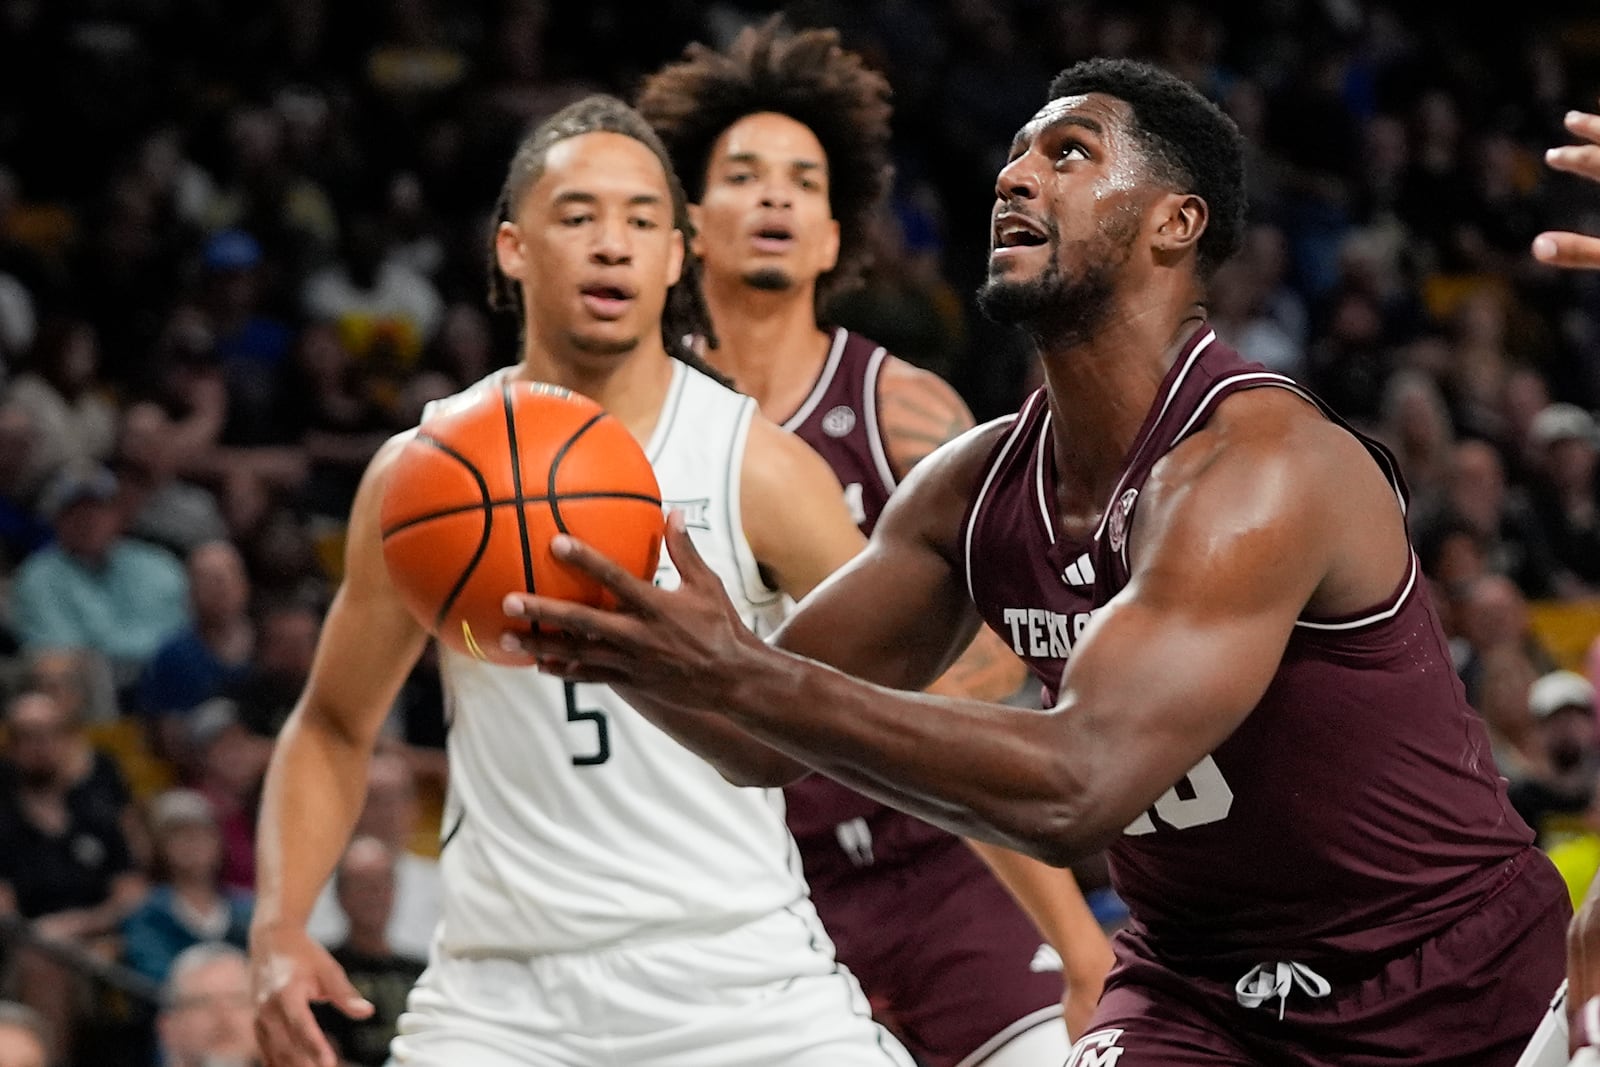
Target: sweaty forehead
x,y
1103,114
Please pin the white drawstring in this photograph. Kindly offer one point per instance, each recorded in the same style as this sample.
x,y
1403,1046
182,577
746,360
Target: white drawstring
x,y
1268,980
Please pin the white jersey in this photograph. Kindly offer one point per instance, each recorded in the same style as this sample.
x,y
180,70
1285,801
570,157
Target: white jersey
x,y
571,822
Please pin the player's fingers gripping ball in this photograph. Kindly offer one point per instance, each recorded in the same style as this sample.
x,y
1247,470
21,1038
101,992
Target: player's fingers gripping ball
x,y
475,497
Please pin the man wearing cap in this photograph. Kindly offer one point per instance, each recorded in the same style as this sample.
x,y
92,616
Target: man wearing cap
x,y
1566,738
1565,442
95,588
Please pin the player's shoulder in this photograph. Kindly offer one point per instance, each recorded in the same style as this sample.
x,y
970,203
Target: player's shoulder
x,y
1270,429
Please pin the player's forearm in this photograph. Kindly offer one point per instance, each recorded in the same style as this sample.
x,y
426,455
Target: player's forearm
x,y
1052,899
315,786
738,757
1011,780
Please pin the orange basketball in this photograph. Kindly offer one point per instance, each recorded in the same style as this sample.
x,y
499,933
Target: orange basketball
x,y
475,497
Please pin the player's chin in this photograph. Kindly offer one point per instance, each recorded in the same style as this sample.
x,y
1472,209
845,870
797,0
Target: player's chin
x,y
606,339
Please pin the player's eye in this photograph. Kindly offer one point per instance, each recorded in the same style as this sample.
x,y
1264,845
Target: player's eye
x,y
811,185
576,220
1072,150
639,222
741,177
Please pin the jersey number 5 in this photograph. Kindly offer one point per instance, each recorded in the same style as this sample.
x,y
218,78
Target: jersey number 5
x,y
602,731
1210,801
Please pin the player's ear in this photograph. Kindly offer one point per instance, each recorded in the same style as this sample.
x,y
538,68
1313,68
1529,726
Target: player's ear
x,y
1179,221
508,250
675,259
697,244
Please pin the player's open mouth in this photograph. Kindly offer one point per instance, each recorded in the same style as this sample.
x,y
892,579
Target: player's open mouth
x,y
607,301
1013,230
772,238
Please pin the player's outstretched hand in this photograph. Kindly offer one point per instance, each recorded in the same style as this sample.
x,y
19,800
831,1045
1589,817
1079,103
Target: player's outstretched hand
x,y
677,645
289,970
1561,248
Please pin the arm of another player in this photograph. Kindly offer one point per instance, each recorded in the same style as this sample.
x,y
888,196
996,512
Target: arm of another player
x,y
795,520
920,413
316,784
1561,248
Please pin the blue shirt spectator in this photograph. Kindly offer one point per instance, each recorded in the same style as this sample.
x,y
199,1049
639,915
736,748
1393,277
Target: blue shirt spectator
x,y
95,588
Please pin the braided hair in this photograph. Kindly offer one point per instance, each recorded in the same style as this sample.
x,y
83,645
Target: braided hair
x,y
684,318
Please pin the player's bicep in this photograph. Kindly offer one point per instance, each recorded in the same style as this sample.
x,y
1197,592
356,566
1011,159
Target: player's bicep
x,y
369,641
793,511
897,614
1164,673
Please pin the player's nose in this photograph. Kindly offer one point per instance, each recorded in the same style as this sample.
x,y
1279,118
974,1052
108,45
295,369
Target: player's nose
x,y
612,246
1017,180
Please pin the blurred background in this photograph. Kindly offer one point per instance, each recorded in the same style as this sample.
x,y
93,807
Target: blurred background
x,y
241,244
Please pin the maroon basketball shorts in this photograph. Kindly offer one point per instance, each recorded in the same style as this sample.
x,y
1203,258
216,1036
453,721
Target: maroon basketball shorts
x,y
942,950
1471,996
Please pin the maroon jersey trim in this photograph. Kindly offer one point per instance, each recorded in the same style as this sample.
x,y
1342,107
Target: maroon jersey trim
x,y
820,389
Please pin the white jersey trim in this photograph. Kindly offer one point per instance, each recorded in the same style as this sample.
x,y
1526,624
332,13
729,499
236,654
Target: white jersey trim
x,y
1177,383
869,393
669,413
1377,616
994,469
825,379
1038,480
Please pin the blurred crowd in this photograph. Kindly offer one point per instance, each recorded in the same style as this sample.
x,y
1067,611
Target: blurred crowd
x,y
240,245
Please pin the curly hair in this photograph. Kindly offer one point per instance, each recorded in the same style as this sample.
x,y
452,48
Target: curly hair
x,y
805,75
685,316
1191,144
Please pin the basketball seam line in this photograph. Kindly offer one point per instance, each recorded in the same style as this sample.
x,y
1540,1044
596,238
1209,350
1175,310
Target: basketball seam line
x,y
488,525
551,497
516,484
445,513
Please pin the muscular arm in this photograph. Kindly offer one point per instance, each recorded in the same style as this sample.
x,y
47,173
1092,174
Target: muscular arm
x,y
1240,529
795,520
316,782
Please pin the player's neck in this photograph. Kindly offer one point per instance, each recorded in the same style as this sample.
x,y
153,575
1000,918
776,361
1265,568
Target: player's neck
x,y
769,342
632,387
1101,388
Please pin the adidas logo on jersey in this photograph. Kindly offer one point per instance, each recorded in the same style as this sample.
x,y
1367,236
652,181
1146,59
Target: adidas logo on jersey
x,y
1080,573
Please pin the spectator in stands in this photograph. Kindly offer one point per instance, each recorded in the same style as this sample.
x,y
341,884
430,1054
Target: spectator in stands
x,y
95,587
24,1038
286,644
207,1016
74,421
390,816
228,763
1415,423
22,530
209,657
187,903
385,311
1503,659
1564,494
65,865
1552,800
164,509
1476,493
365,885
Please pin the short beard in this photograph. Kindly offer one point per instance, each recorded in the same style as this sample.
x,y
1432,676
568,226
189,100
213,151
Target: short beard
x,y
1052,307
595,346
769,279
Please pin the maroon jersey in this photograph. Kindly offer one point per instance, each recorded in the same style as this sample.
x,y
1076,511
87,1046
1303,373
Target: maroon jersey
x,y
1355,811
835,826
